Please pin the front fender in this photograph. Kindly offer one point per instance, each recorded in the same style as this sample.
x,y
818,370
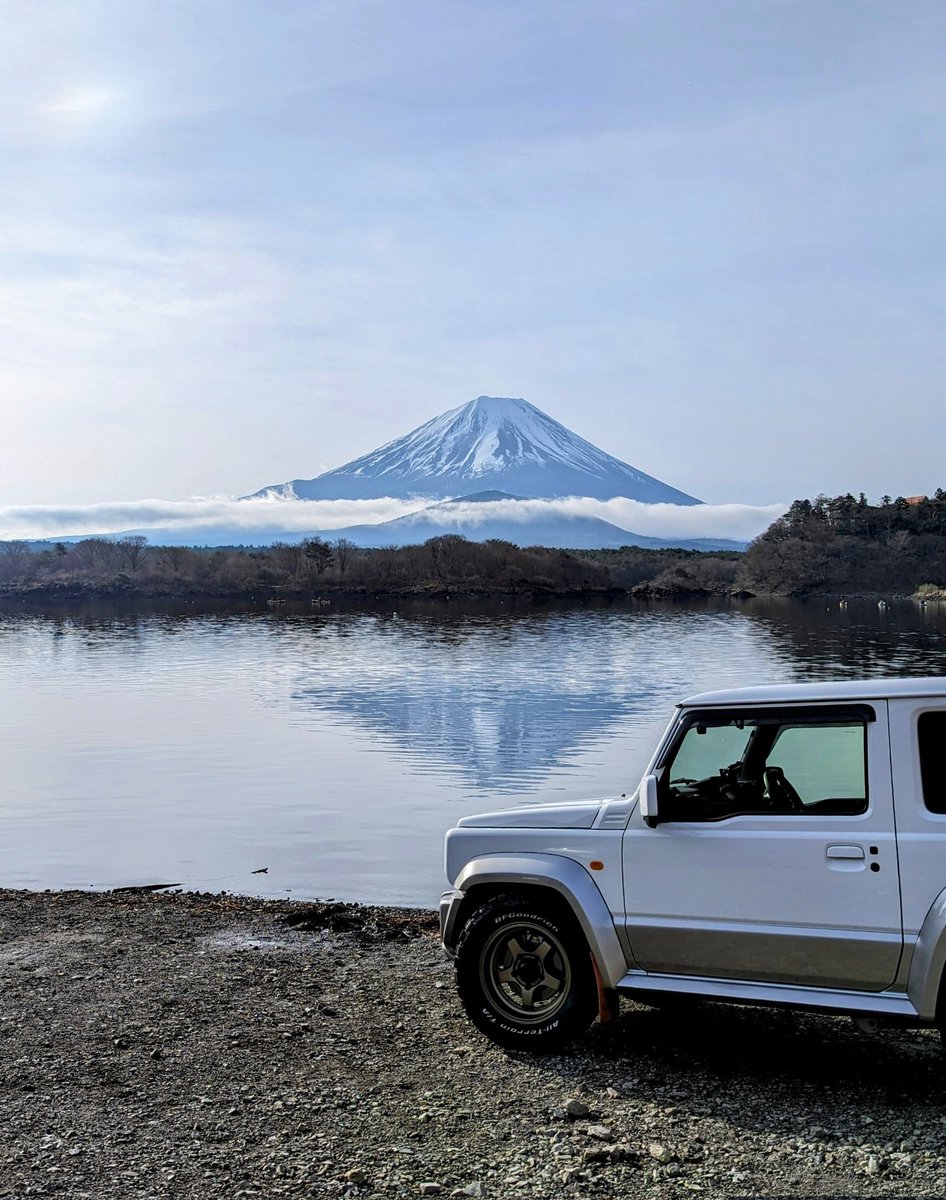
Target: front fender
x,y
556,873
929,960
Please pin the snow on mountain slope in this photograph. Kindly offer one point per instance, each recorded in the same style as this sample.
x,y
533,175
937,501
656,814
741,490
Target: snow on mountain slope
x,y
492,443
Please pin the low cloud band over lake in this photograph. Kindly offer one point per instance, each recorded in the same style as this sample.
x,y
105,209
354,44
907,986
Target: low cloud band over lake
x,y
260,518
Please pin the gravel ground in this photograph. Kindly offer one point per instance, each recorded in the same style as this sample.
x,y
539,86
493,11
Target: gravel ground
x,y
212,1046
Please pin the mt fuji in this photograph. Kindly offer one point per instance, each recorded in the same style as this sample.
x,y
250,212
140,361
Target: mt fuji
x,y
493,443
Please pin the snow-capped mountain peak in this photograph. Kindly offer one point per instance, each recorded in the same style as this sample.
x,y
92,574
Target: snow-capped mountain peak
x,y
491,433
491,443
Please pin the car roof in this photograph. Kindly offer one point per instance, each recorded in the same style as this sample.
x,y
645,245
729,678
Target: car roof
x,y
824,690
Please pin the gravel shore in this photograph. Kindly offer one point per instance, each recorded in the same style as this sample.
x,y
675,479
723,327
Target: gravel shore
x,y
214,1046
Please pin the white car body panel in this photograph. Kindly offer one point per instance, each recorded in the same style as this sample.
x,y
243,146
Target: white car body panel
x,y
844,912
775,898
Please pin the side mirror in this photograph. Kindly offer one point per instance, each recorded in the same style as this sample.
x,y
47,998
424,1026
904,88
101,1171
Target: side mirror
x,y
648,801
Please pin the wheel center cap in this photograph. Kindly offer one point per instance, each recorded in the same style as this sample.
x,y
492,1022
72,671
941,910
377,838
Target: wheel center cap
x,y
528,970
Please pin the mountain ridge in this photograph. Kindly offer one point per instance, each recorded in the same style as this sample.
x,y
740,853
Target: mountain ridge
x,y
495,443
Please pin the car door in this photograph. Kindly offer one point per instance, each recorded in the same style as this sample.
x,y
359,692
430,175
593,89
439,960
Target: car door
x,y
752,875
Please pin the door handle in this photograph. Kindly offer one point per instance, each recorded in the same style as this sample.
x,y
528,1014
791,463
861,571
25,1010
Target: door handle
x,y
844,852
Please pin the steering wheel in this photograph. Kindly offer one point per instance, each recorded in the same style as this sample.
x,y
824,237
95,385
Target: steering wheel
x,y
781,793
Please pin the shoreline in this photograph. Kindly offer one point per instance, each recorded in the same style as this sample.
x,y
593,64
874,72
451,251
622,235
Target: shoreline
x,y
332,915
316,602
179,1046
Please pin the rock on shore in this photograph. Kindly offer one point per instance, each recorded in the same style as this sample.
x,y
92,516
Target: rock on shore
x,y
210,1046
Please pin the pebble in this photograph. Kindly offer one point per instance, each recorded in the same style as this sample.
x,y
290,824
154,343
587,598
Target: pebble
x,y
660,1152
577,1108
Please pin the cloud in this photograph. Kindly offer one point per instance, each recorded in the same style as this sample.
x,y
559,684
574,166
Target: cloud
x,y
204,513
223,516
739,521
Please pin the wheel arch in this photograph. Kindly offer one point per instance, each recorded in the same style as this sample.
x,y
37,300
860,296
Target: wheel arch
x,y
926,984
551,879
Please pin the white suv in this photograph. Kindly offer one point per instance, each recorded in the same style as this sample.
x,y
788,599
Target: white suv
x,y
787,845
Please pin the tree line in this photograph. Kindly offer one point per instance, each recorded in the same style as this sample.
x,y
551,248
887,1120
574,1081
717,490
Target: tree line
x,y
829,545
315,566
846,545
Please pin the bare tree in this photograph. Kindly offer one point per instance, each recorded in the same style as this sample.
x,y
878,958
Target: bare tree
x,y
343,549
447,553
96,551
175,557
287,556
132,550
900,542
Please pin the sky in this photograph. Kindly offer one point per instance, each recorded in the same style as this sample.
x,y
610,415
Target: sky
x,y
246,242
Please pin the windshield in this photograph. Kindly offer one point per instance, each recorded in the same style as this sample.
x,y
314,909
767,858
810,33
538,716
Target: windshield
x,y
706,750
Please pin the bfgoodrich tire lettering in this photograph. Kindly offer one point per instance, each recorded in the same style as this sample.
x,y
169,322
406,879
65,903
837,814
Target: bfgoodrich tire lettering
x,y
524,975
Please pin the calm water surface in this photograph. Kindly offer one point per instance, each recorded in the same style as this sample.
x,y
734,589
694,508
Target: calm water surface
x,y
334,748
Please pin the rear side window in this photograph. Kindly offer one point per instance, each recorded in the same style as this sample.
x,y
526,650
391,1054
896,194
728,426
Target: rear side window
x,y
931,737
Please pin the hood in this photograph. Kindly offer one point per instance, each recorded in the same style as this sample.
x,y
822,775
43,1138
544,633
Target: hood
x,y
575,814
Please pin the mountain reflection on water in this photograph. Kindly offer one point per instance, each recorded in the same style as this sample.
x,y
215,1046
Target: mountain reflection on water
x,y
334,747
498,703
501,701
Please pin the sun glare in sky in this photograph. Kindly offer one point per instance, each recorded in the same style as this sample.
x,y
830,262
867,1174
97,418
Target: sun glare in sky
x,y
82,102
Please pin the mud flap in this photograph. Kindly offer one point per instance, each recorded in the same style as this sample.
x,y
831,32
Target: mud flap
x,y
609,1001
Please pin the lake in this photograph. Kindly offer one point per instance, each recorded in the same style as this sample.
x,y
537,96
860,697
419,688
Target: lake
x,y
333,747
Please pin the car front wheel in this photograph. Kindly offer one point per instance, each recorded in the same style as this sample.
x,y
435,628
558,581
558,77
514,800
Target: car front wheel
x,y
525,975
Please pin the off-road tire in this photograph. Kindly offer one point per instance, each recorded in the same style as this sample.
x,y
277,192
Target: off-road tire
x,y
524,975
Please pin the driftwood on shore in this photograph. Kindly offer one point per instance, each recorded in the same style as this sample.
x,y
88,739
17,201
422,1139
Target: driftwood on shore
x,y
143,888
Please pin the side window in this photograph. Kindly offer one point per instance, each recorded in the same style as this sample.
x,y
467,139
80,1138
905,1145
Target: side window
x,y
772,763
825,766
931,738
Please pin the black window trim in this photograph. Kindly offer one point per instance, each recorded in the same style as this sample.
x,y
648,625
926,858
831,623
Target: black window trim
x,y
827,714
789,716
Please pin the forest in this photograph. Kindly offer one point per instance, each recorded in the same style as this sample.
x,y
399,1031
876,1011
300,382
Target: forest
x,y
316,567
840,545
844,545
